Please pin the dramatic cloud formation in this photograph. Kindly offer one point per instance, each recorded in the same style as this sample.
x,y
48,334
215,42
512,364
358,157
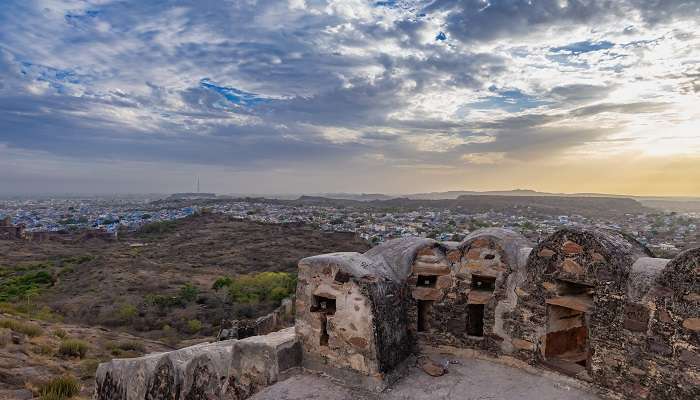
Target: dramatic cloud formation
x,y
272,96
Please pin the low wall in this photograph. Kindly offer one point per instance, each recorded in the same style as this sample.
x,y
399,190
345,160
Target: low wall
x,y
230,369
282,317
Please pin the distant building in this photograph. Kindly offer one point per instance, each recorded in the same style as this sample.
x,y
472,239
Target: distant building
x,y
8,231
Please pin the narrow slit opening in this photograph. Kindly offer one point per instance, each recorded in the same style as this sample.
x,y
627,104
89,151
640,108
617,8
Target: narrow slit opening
x,y
475,324
323,341
424,307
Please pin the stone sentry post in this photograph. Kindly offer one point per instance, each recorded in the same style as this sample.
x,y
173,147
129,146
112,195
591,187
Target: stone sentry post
x,y
571,306
352,312
462,291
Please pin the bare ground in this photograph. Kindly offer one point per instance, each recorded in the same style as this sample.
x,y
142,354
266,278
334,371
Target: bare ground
x,y
468,379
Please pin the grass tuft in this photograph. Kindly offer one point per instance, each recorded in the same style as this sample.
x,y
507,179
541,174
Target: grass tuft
x,y
73,348
26,328
59,388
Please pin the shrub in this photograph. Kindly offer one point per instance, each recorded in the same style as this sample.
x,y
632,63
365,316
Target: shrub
x,y
193,326
159,227
5,337
162,301
89,367
24,286
222,283
43,349
128,345
126,312
78,259
60,388
73,348
188,293
265,286
60,333
26,328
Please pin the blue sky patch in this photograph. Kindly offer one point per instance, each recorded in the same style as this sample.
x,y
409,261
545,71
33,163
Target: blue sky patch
x,y
385,3
583,47
511,100
77,19
233,95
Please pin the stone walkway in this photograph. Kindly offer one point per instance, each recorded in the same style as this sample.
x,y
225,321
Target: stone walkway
x,y
471,379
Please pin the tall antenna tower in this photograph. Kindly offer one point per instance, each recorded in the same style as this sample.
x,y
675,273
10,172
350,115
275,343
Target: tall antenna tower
x,y
197,184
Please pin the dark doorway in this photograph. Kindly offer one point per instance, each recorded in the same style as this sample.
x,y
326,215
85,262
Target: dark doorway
x,y
566,343
475,324
424,309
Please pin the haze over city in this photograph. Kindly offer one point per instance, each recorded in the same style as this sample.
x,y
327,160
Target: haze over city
x,y
354,96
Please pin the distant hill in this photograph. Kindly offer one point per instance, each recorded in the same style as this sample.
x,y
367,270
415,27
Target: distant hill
x,y
678,204
354,196
672,205
526,205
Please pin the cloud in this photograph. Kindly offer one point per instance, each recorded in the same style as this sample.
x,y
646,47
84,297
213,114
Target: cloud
x,y
265,86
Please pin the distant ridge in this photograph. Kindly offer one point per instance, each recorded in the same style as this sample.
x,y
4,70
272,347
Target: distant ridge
x,y
523,204
678,204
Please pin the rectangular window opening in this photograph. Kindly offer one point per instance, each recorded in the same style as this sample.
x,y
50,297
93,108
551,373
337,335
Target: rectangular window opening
x,y
426,280
475,324
424,308
324,305
480,282
567,288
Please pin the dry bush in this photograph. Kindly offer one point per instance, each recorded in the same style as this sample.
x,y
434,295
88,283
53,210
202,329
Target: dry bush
x,y
26,328
73,348
59,388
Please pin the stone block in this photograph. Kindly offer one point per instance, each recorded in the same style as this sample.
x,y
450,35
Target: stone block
x,y
692,324
522,344
422,268
597,257
444,282
481,242
546,253
690,357
454,256
479,297
692,297
636,317
259,361
474,254
572,267
570,247
550,286
425,293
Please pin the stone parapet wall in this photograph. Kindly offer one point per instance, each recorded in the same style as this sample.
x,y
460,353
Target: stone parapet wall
x,y
282,317
232,370
590,303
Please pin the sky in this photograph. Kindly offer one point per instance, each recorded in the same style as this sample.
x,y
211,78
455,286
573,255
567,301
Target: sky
x,y
309,96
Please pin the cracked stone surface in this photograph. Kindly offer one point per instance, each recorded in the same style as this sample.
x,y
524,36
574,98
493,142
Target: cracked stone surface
x,y
470,379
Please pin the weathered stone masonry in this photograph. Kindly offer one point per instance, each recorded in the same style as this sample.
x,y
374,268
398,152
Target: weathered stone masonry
x,y
590,303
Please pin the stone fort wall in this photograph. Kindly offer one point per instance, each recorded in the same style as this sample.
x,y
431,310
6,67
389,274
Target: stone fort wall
x,y
590,303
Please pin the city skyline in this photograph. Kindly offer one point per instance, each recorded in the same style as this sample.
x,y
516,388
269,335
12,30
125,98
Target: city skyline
x,y
353,96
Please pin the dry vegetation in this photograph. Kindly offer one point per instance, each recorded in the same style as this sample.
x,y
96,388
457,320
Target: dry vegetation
x,y
168,286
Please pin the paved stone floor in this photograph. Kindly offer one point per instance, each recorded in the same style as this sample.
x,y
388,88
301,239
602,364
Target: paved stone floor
x,y
470,379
